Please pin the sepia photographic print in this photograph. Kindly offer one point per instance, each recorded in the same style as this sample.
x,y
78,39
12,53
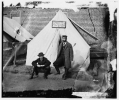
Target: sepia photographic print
x,y
59,49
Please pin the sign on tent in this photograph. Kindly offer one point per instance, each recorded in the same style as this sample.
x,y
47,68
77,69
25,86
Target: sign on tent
x,y
58,24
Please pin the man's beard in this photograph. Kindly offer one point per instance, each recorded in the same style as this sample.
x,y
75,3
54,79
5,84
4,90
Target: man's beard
x,y
64,40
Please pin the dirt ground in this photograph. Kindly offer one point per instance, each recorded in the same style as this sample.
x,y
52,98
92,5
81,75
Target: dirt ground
x,y
17,79
14,80
21,82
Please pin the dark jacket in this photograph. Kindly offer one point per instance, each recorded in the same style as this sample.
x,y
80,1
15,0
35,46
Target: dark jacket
x,y
45,62
68,53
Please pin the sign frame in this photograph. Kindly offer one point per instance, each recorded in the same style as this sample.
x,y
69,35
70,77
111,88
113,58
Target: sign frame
x,y
58,24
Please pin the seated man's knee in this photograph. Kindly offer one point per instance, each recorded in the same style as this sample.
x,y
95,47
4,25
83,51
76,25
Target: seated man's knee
x,y
34,64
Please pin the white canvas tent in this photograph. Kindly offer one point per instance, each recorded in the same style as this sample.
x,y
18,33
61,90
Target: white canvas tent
x,y
10,26
47,41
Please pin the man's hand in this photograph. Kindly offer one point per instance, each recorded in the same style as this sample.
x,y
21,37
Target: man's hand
x,y
38,66
42,65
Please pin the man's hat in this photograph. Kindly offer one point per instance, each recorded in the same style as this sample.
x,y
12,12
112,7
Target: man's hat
x,y
40,54
64,35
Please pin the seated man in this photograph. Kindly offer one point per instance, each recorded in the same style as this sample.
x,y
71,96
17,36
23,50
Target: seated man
x,y
42,64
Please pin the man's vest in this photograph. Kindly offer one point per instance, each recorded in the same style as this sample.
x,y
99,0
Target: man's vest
x,y
62,50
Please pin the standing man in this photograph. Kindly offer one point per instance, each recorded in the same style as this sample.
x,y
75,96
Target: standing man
x,y
42,64
64,57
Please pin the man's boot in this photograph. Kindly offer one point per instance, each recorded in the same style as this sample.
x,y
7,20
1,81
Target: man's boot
x,y
49,71
31,77
58,71
46,72
32,73
64,77
45,76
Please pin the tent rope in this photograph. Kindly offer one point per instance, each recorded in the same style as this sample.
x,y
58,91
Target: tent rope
x,y
23,21
18,31
83,29
51,41
92,22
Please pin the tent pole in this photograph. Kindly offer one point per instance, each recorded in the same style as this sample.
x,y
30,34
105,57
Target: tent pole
x,y
14,62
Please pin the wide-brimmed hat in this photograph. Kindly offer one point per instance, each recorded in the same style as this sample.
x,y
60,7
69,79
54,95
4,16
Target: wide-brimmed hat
x,y
64,35
40,54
